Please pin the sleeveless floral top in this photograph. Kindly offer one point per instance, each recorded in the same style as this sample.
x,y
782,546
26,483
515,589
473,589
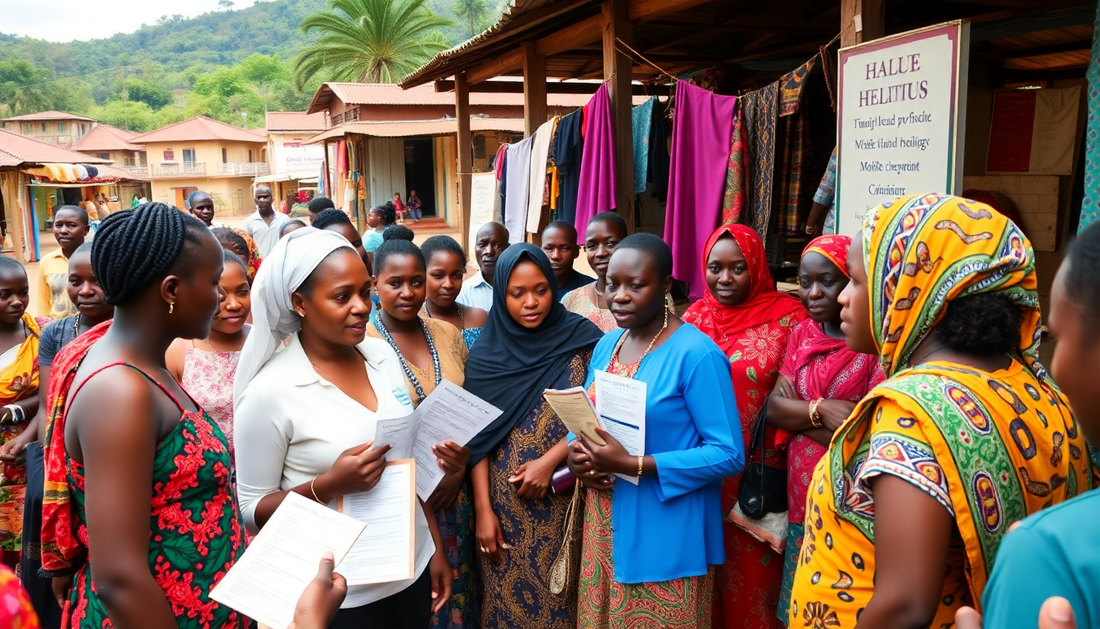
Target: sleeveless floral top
x,y
195,524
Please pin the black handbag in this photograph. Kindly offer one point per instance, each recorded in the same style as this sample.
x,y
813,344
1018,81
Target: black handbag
x,y
763,489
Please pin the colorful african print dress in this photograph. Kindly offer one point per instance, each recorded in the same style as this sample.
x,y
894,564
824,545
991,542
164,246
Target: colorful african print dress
x,y
16,611
991,448
581,301
516,593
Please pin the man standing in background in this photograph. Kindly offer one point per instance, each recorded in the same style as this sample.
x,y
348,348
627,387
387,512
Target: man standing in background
x,y
264,224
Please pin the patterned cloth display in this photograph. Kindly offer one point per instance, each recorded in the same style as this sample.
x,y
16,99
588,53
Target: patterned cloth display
x,y
991,447
790,87
754,336
15,606
760,117
733,199
1090,205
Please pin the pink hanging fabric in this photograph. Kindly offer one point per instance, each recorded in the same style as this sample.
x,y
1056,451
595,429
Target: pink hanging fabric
x,y
701,132
597,176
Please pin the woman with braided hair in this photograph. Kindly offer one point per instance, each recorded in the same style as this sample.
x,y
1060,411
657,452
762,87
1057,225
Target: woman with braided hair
x,y
145,482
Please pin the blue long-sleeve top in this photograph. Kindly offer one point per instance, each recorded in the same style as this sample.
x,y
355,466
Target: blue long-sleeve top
x,y
669,526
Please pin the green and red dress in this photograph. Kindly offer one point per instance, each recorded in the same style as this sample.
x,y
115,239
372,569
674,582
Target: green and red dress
x,y
196,531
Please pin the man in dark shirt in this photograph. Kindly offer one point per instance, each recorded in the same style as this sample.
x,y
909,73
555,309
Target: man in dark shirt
x,y
559,242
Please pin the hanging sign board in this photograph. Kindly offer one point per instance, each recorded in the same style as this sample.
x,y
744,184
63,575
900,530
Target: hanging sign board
x,y
484,203
900,119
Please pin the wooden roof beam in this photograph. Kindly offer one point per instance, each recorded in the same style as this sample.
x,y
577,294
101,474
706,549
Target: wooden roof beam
x,y
582,33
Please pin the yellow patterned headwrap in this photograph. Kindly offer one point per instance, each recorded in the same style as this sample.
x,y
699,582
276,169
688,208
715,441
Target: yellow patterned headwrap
x,y
923,251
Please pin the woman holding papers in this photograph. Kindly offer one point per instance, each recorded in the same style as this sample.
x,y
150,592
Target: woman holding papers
x,y
531,343
751,322
430,351
139,511
306,414
667,532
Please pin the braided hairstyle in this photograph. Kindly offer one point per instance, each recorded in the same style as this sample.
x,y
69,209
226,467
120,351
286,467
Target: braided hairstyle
x,y
135,248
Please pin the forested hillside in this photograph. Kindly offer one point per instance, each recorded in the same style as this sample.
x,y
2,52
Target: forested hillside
x,y
228,64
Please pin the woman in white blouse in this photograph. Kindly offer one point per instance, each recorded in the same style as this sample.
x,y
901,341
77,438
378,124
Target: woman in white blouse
x,y
306,413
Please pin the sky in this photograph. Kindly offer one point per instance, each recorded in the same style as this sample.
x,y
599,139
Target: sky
x,y
68,20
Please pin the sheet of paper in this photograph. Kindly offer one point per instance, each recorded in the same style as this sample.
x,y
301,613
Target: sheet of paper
x,y
620,403
399,433
575,411
450,413
385,550
267,581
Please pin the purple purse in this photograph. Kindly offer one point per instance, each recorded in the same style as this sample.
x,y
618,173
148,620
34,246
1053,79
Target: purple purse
x,y
563,481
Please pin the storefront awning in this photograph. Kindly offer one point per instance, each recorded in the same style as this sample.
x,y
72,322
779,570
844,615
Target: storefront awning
x,y
416,128
300,177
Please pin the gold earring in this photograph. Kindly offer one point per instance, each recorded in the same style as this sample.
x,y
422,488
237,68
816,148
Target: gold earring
x,y
171,306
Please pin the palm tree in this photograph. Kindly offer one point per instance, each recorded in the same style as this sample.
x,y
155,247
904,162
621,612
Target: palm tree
x,y
374,41
473,10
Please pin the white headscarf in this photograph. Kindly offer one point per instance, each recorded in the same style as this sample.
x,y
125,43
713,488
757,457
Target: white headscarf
x,y
283,271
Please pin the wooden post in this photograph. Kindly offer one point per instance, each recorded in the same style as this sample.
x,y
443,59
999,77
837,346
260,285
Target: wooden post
x,y
617,73
464,148
534,88
861,21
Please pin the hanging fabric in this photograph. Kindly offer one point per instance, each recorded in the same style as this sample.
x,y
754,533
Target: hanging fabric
x,y
518,178
760,115
540,152
659,160
700,154
641,120
790,90
1090,205
596,191
733,200
568,143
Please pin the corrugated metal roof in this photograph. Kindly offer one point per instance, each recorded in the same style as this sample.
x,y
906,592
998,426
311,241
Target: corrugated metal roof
x,y
46,115
104,137
16,150
392,94
413,128
199,128
295,121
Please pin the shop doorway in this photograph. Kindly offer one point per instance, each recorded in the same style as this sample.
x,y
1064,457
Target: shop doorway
x,y
420,173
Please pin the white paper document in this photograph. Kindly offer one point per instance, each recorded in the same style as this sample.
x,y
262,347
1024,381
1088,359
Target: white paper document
x,y
384,552
450,413
267,581
620,403
575,410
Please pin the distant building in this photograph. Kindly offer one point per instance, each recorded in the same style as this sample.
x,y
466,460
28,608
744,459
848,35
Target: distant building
x,y
205,154
293,164
52,127
114,144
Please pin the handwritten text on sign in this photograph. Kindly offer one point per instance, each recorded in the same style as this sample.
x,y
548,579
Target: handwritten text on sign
x,y
899,130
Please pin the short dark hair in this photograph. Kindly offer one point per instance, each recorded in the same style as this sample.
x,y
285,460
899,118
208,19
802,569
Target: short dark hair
x,y
567,227
442,243
654,247
610,217
986,323
1082,261
331,217
398,232
293,221
76,209
10,264
228,257
135,248
320,204
394,248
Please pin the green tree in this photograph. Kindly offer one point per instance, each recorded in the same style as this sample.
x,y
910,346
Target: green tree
x,y
25,88
261,69
148,92
132,115
473,10
223,82
377,41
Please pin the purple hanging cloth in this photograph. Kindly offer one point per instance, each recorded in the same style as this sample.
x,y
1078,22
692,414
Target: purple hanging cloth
x,y
701,133
597,176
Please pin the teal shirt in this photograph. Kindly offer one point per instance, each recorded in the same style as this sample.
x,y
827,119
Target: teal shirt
x,y
1055,552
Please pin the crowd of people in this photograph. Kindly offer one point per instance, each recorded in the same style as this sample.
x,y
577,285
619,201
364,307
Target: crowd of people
x,y
851,456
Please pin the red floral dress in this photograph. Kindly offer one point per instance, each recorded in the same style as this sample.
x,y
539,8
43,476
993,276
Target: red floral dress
x,y
195,524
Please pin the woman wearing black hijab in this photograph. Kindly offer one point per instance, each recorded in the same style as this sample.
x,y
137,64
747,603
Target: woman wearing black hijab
x,y
530,343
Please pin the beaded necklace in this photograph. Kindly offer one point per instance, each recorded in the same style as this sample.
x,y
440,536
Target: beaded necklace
x,y
404,364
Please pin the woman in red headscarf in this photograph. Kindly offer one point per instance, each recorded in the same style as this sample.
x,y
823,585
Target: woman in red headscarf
x,y
752,322
820,382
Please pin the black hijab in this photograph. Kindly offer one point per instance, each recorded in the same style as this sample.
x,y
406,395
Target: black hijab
x,y
510,365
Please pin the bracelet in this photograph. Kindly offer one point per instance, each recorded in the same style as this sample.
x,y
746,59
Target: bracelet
x,y
641,461
314,492
815,417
